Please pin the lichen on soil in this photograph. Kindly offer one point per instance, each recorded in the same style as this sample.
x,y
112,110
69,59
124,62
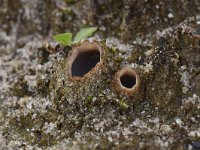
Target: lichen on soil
x,y
42,107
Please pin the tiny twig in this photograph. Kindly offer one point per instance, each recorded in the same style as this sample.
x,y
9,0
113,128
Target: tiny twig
x,y
15,34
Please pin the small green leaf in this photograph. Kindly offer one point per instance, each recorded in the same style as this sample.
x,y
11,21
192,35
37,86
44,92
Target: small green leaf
x,y
64,39
84,33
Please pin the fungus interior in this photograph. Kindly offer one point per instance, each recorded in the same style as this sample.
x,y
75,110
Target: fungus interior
x,y
128,79
85,60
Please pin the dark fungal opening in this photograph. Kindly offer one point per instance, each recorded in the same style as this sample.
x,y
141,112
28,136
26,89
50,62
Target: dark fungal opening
x,y
84,62
128,80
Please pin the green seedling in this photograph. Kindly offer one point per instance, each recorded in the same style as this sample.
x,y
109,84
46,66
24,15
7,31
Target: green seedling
x,y
66,38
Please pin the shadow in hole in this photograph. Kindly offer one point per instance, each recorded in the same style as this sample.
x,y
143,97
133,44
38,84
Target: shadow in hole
x,y
84,62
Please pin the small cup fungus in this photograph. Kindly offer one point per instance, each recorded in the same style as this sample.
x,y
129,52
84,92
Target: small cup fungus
x,y
126,81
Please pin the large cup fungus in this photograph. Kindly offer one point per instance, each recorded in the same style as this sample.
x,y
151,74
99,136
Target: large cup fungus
x,y
85,59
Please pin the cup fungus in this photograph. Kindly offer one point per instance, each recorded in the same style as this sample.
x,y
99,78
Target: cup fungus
x,y
85,59
126,81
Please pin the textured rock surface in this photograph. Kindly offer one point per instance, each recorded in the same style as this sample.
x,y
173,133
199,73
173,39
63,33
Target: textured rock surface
x,y
129,19
41,107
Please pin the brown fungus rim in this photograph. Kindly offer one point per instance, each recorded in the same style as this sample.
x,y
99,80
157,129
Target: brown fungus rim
x,y
118,83
86,46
